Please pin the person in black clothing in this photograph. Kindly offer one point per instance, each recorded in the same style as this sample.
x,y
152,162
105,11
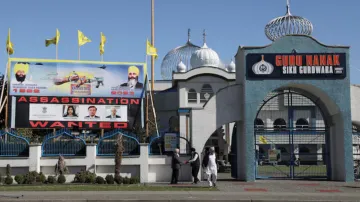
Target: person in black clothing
x,y
195,165
175,165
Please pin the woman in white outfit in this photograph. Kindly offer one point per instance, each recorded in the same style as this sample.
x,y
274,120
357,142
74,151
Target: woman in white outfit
x,y
211,168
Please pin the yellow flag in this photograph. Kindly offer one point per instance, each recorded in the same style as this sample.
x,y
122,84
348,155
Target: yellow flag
x,y
102,43
54,40
263,140
151,50
82,38
9,45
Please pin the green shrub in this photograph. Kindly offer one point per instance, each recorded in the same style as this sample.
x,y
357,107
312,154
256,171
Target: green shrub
x,y
30,178
19,179
61,179
109,179
126,180
90,178
85,177
51,179
137,180
100,180
9,180
41,178
118,179
134,180
80,177
0,178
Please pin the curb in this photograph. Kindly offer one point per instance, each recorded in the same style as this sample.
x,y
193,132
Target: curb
x,y
168,200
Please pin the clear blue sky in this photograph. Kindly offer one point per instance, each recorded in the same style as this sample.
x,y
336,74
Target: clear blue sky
x,y
126,24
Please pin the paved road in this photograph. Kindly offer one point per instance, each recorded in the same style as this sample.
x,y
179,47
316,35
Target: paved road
x,y
229,191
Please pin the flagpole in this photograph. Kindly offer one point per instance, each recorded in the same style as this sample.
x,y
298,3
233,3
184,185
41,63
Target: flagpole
x,y
102,130
56,48
78,52
7,102
56,51
56,57
147,102
153,44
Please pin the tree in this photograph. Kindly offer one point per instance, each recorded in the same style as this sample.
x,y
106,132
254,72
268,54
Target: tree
x,y
152,122
2,114
119,149
60,167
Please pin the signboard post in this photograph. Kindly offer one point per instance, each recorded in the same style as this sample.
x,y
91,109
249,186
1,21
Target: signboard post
x,y
274,156
171,142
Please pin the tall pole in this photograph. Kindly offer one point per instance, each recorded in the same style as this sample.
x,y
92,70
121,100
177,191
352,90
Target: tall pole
x,y
78,52
153,44
56,56
7,102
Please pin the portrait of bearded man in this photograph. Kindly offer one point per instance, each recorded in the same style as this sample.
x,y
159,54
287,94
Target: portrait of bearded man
x,y
21,70
133,78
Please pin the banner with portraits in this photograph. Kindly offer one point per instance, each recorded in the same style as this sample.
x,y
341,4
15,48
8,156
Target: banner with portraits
x,y
37,77
58,112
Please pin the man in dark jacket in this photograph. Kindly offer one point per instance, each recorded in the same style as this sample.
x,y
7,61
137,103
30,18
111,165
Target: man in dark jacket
x,y
195,165
175,165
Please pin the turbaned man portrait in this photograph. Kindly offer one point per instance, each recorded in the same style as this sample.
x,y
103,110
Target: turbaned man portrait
x,y
133,78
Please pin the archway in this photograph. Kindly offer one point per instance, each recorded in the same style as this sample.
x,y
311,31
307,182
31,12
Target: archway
x,y
218,112
294,140
220,139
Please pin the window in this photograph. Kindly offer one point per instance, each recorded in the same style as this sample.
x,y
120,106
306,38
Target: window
x,y
304,150
259,123
282,150
192,96
206,93
302,123
279,124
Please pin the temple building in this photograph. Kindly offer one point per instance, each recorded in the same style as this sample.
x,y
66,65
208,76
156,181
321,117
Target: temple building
x,y
205,101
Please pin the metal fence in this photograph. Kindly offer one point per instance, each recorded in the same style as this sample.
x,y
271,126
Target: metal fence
x,y
13,144
356,151
107,144
63,143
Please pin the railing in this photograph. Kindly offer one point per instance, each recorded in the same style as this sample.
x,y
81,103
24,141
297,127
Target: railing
x,y
157,145
13,144
63,143
106,145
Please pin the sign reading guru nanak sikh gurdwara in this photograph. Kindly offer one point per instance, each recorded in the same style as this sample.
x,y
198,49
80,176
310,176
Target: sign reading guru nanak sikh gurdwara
x,y
296,66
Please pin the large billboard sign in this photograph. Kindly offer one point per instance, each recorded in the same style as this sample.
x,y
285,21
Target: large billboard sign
x,y
296,66
76,78
69,94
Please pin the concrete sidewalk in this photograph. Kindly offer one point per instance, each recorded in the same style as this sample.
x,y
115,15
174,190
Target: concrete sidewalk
x,y
270,191
176,196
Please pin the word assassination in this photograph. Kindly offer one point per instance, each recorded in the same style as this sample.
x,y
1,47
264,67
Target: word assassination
x,y
313,64
78,124
70,100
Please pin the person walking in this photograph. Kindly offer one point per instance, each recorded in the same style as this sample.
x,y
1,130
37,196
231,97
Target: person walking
x,y
175,165
211,168
195,165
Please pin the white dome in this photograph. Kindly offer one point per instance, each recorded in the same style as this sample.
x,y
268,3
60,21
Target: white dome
x,y
181,67
231,67
204,57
